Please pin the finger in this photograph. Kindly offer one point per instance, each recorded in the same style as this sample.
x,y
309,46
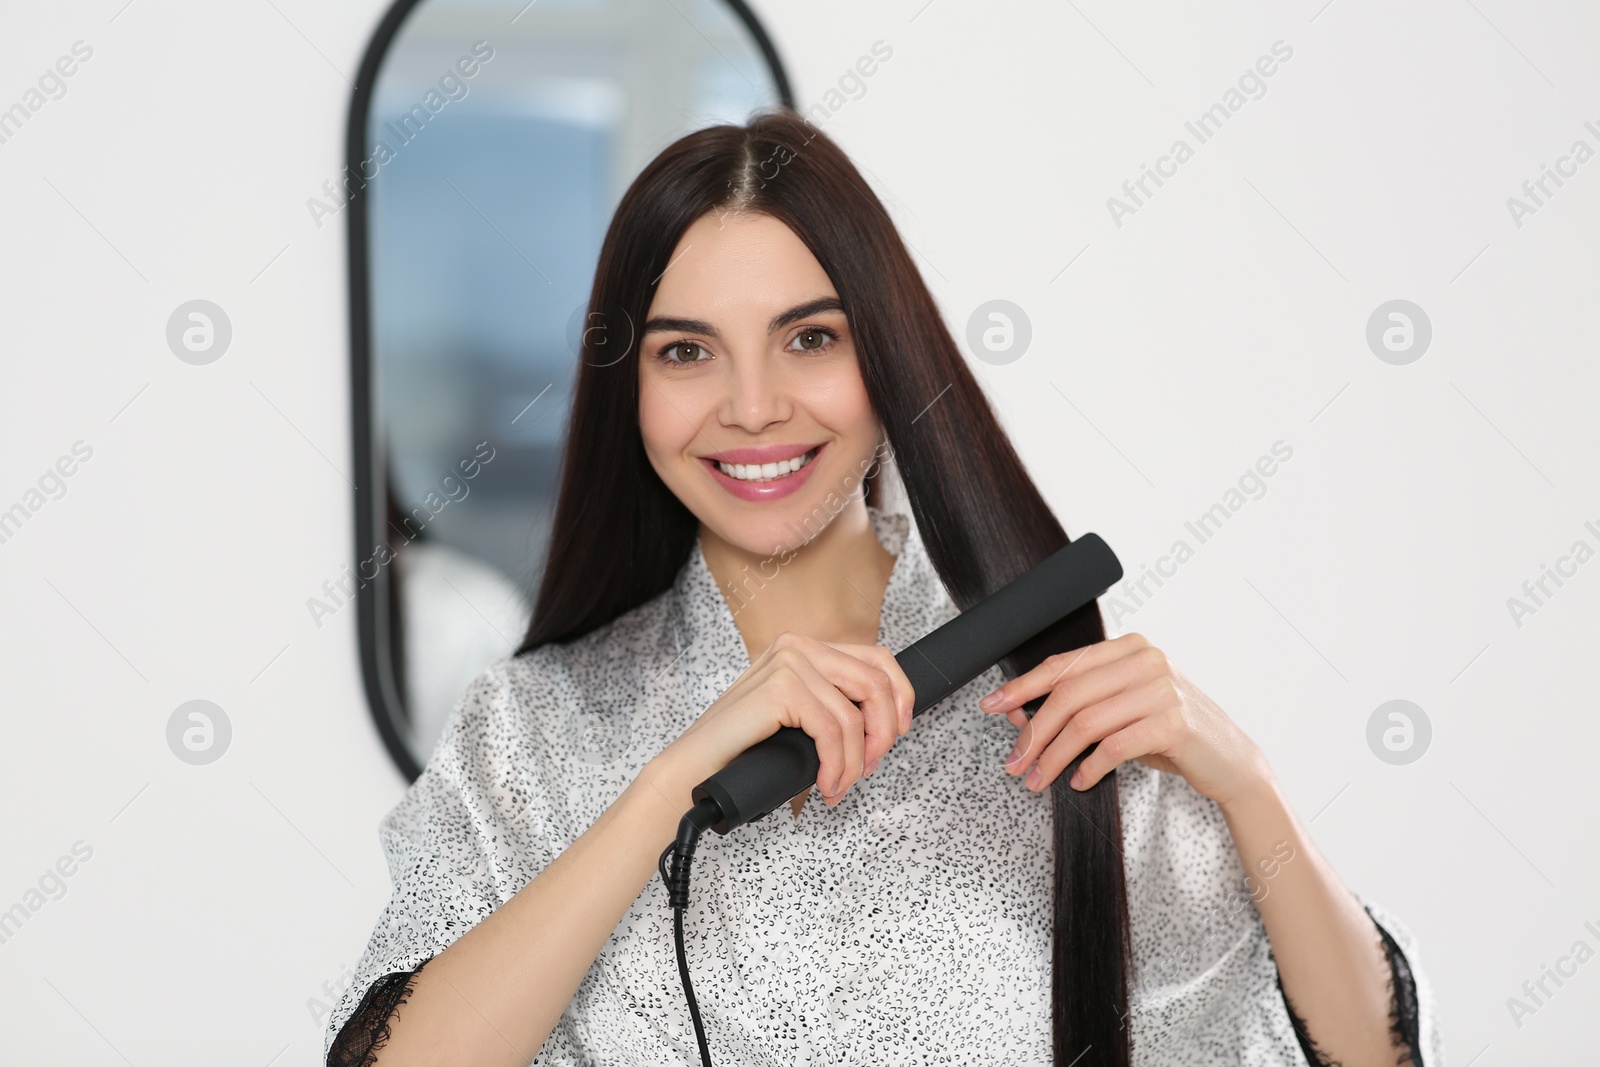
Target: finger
x,y
1035,743
1094,724
888,719
1132,741
806,698
842,734
1052,669
865,674
880,706
1043,677
1080,690
905,697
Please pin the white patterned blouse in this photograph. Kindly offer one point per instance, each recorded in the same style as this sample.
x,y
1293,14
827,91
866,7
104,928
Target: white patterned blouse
x,y
910,924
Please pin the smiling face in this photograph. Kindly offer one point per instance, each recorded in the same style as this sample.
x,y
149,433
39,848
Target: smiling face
x,y
747,358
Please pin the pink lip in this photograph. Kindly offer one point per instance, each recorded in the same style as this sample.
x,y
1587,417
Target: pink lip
x,y
762,491
761,453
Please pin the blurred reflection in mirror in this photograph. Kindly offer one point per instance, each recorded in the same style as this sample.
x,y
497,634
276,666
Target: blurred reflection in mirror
x,y
500,137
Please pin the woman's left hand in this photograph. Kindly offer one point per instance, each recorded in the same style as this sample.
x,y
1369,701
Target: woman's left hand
x,y
1124,694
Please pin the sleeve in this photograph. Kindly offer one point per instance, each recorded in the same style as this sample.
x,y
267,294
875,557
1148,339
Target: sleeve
x,y
1413,1012
367,1030
443,845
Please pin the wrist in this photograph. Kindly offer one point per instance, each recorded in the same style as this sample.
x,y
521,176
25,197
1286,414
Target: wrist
x,y
671,780
1257,789
659,799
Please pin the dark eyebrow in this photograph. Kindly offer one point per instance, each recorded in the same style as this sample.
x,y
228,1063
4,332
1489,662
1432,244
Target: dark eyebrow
x,y
779,321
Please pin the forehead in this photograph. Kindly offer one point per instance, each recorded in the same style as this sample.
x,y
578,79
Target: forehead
x,y
738,265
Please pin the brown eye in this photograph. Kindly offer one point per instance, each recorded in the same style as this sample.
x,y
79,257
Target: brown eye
x,y
673,353
815,339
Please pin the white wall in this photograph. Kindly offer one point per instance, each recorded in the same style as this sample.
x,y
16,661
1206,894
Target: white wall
x,y
1168,354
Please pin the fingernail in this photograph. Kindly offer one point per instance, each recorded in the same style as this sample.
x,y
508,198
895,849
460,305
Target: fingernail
x,y
992,701
1035,778
1076,781
1014,761
871,767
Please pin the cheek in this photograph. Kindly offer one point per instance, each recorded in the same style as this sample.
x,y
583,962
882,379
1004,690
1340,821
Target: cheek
x,y
653,426
667,426
839,401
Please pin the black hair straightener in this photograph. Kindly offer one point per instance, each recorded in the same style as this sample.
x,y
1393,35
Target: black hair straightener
x,y
785,764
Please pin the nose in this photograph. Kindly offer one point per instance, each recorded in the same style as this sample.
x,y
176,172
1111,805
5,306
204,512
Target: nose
x,y
756,395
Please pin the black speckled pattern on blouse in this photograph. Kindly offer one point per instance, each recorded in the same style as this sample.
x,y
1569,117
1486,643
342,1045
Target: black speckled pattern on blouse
x,y
908,925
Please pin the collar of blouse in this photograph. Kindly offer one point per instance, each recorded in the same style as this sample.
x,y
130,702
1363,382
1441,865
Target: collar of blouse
x,y
712,652
712,655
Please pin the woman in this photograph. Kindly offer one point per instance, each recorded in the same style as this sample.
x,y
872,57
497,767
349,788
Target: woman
x,y
764,376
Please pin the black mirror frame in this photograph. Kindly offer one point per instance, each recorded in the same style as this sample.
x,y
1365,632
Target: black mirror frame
x,y
373,597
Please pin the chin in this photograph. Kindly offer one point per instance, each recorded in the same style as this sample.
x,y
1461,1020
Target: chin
x,y
774,529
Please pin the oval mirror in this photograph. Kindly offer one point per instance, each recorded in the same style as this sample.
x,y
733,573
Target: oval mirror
x,y
489,144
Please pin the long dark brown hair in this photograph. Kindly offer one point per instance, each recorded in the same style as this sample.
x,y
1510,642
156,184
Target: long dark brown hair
x,y
620,535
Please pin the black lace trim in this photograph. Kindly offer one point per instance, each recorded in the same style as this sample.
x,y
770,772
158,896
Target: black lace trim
x,y
367,1029
1404,1023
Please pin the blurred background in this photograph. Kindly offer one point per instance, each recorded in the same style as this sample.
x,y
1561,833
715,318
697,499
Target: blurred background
x,y
1290,304
487,207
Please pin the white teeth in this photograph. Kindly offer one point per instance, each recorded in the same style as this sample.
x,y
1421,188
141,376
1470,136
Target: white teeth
x,y
752,472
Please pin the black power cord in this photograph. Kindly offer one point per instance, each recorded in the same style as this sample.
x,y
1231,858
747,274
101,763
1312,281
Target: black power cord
x,y
777,769
674,868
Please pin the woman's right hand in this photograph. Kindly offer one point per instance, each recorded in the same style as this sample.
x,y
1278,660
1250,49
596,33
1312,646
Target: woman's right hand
x,y
815,686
